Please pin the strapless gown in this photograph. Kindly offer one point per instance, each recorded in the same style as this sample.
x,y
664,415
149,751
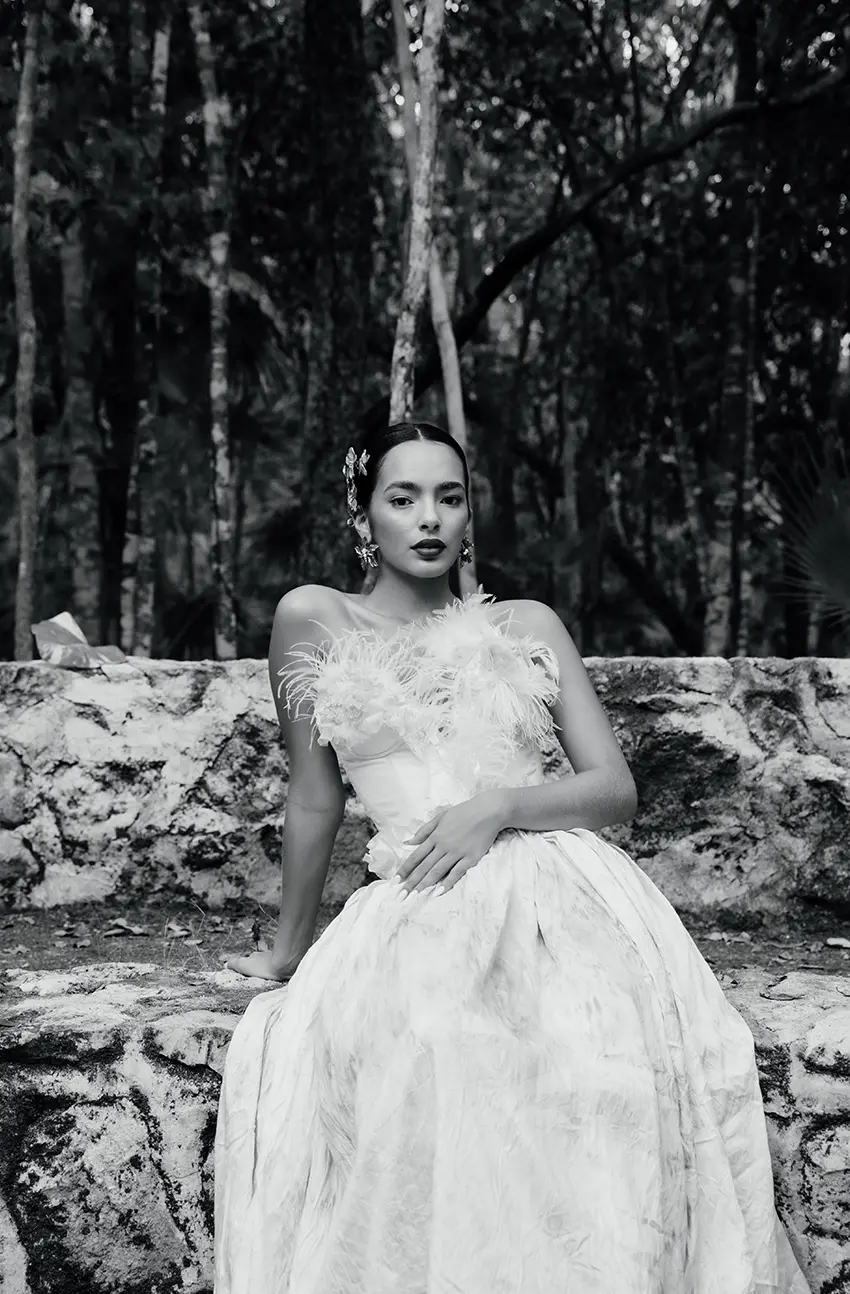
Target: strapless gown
x,y
531,1084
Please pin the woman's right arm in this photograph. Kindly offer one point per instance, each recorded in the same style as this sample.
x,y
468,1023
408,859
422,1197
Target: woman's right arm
x,y
315,801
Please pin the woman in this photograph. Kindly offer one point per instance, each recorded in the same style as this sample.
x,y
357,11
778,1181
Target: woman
x,y
504,1068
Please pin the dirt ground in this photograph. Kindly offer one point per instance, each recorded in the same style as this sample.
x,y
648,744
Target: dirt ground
x,y
176,932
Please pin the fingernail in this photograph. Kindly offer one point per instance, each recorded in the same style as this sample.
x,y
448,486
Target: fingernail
x,y
406,895
441,889
396,880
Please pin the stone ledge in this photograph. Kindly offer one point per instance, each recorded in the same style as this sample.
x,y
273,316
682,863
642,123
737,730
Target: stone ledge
x,y
110,1077
164,775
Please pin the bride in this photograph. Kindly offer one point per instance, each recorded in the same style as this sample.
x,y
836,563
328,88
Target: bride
x,y
504,1068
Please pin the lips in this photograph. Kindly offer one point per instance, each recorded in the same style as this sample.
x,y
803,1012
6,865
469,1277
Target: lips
x,y
432,546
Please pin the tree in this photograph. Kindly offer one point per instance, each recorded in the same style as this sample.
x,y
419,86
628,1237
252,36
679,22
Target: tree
x,y
143,512
421,232
440,314
337,195
217,120
26,338
588,227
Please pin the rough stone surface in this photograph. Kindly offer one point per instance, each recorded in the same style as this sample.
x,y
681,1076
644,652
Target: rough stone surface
x,y
170,775
110,1078
801,1026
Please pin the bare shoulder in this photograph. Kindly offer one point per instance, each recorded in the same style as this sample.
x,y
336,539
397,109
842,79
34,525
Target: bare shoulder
x,y
308,604
526,616
584,730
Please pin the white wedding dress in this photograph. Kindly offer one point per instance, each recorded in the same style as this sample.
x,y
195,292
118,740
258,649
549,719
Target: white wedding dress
x,y
531,1084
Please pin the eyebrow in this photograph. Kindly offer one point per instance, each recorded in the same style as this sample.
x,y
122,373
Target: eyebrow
x,y
411,485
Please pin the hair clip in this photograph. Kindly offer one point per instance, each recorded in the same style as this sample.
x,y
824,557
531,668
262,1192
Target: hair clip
x,y
352,464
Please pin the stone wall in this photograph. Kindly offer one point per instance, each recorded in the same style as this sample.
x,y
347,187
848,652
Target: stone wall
x,y
109,1081
159,775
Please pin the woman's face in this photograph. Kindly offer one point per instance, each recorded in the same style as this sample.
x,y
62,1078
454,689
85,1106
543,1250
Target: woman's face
x,y
419,495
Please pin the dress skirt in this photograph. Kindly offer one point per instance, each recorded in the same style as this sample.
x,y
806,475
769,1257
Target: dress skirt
x,y
531,1084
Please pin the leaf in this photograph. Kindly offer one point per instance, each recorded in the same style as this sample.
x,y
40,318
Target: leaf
x,y
837,941
120,926
174,930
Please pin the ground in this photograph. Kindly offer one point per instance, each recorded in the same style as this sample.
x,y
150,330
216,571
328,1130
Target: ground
x,y
178,932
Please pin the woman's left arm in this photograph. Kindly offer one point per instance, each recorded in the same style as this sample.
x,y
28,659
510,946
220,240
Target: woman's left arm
x,y
602,791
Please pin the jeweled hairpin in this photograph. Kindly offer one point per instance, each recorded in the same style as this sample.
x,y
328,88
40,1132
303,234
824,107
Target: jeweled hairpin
x,y
352,464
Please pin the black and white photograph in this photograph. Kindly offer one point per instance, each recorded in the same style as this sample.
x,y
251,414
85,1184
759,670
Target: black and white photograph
x,y
425,647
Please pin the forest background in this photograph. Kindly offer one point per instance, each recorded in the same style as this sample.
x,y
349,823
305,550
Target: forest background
x,y
640,215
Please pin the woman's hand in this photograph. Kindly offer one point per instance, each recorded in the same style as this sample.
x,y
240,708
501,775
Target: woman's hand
x,y
454,840
265,965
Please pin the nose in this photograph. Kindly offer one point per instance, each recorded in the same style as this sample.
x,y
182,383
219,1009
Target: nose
x,y
429,519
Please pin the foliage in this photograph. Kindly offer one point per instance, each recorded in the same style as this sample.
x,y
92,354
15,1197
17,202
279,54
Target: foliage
x,y
593,380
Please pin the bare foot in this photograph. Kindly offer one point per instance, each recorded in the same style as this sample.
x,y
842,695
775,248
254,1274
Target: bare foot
x,y
262,965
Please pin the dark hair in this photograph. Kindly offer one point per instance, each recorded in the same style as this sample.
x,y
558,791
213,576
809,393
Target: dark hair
x,y
379,442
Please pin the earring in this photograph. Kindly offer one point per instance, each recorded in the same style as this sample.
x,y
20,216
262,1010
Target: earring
x,y
366,554
466,547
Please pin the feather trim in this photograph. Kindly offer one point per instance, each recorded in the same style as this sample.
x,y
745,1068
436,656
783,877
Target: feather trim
x,y
353,686
491,689
454,681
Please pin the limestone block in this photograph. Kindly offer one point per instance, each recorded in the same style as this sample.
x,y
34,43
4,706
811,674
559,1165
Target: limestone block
x,y
88,1193
157,775
109,1080
17,864
801,1026
14,801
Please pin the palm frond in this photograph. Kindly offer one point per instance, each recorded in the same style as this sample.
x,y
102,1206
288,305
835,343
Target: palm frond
x,y
816,519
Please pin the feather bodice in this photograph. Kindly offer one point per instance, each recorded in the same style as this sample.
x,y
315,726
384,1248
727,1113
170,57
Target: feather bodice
x,y
452,673
440,708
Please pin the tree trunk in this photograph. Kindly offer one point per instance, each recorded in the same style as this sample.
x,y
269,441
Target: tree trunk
x,y
747,483
416,278
686,464
440,314
216,125
27,340
720,591
85,449
340,131
143,512
570,583
119,376
453,387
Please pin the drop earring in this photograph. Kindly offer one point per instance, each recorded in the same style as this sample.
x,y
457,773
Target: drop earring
x,y
367,553
466,547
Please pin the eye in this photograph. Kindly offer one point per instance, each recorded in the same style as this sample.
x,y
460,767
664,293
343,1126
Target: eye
x,y
400,499
455,498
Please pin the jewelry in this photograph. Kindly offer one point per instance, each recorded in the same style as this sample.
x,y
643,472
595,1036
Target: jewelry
x,y
366,554
466,547
367,551
352,463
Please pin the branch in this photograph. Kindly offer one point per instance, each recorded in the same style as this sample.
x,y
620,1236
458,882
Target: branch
x,y
527,249
634,74
584,14
688,73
